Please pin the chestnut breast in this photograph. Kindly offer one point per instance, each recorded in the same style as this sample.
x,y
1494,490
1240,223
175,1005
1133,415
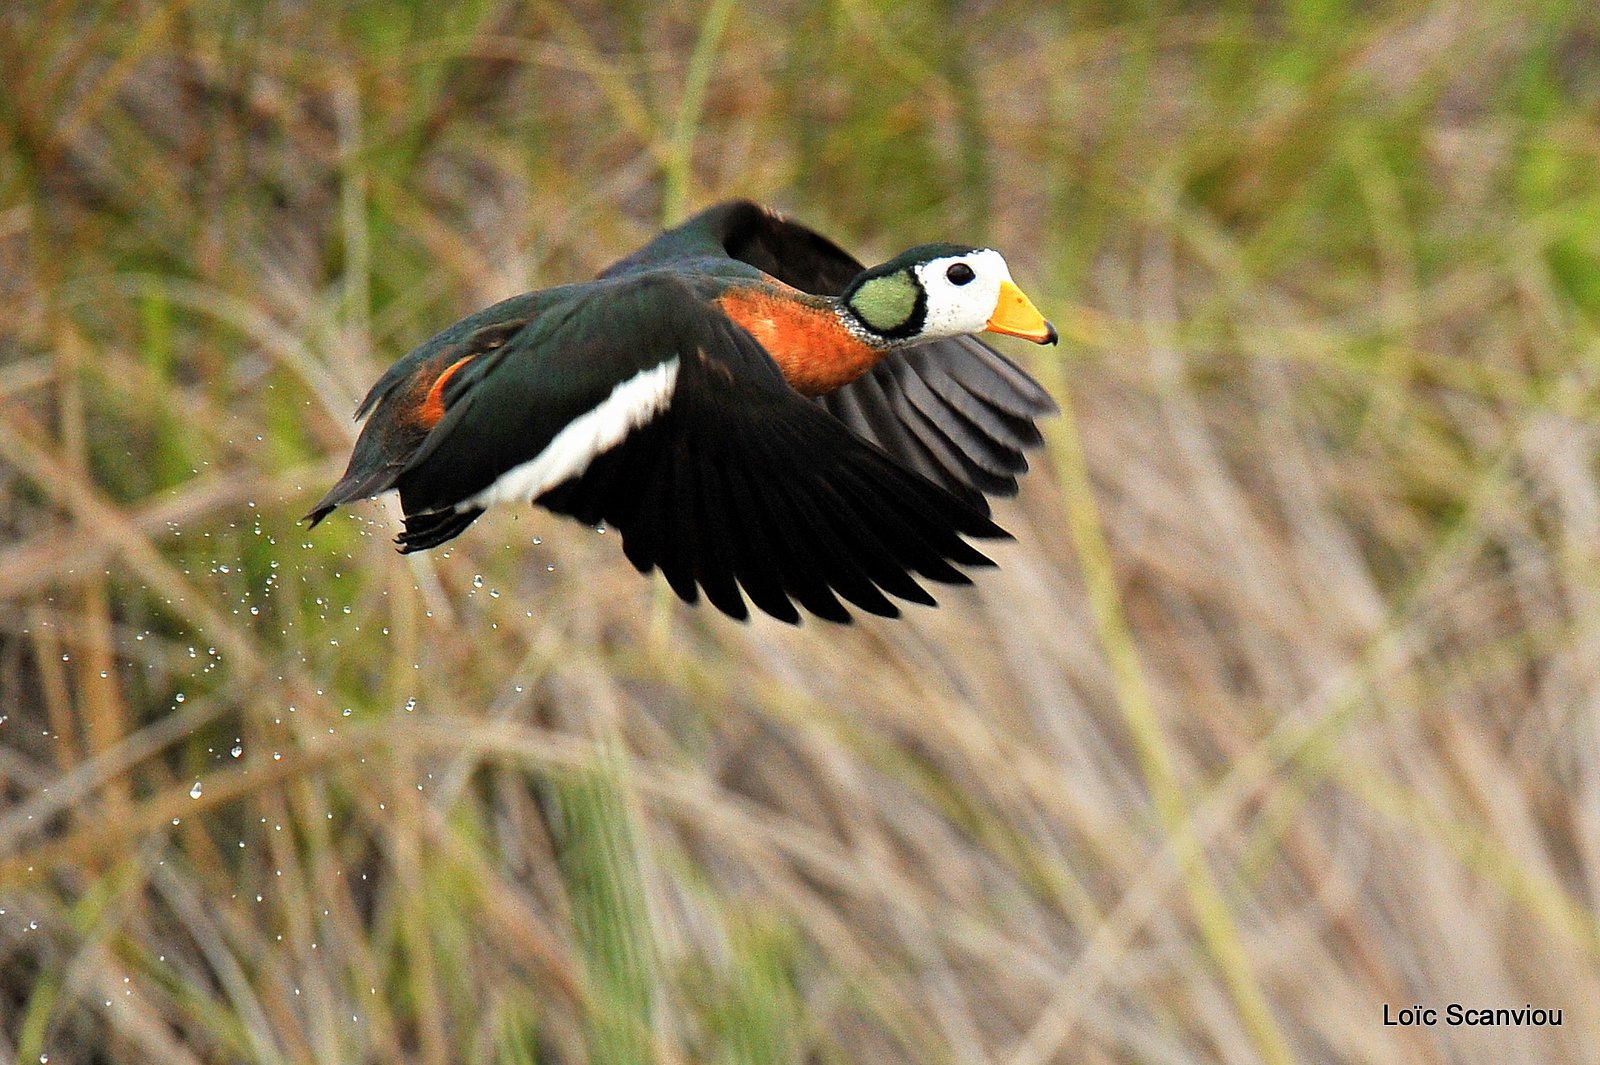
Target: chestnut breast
x,y
804,335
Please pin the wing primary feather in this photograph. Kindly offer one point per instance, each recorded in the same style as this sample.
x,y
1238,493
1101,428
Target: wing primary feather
x,y
677,522
876,412
955,411
898,437
1013,431
644,537
628,481
714,558
917,548
803,578
871,421
928,514
977,446
862,532
943,517
838,567
948,455
757,563
793,567
997,380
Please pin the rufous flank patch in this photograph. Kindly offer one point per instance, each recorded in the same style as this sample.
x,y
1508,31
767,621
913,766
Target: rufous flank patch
x,y
432,407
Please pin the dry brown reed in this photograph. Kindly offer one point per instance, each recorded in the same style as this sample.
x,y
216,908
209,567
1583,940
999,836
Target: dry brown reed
x,y
1281,709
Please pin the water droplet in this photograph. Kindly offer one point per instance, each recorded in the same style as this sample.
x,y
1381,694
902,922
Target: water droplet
x,y
180,697
194,792
237,750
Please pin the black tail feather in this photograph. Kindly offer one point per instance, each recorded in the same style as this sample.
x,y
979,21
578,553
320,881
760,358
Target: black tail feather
x,y
363,484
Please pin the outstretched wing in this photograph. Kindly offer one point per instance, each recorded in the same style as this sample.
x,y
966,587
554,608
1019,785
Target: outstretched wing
x,y
637,403
956,411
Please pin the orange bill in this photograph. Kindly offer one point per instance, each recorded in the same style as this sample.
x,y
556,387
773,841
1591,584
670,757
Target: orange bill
x,y
1015,315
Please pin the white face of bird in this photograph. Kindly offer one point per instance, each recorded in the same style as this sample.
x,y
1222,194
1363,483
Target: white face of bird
x,y
963,291
929,296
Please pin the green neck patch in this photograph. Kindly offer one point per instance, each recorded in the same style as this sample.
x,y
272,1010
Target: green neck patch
x,y
885,303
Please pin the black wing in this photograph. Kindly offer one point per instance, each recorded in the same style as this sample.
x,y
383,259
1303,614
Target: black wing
x,y
956,411
737,486
751,234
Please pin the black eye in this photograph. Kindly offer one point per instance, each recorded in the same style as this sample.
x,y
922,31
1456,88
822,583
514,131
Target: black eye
x,y
959,273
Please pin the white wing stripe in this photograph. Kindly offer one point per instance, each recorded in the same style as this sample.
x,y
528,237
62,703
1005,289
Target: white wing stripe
x,y
631,403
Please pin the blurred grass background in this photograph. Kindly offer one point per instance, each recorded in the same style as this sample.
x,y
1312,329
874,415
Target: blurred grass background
x,y
1284,705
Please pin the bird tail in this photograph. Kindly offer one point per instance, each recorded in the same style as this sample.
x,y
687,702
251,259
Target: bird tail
x,y
357,483
400,411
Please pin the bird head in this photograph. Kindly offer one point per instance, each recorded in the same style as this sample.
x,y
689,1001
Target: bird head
x,y
943,290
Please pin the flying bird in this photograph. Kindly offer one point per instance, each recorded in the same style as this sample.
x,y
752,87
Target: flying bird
x,y
753,410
